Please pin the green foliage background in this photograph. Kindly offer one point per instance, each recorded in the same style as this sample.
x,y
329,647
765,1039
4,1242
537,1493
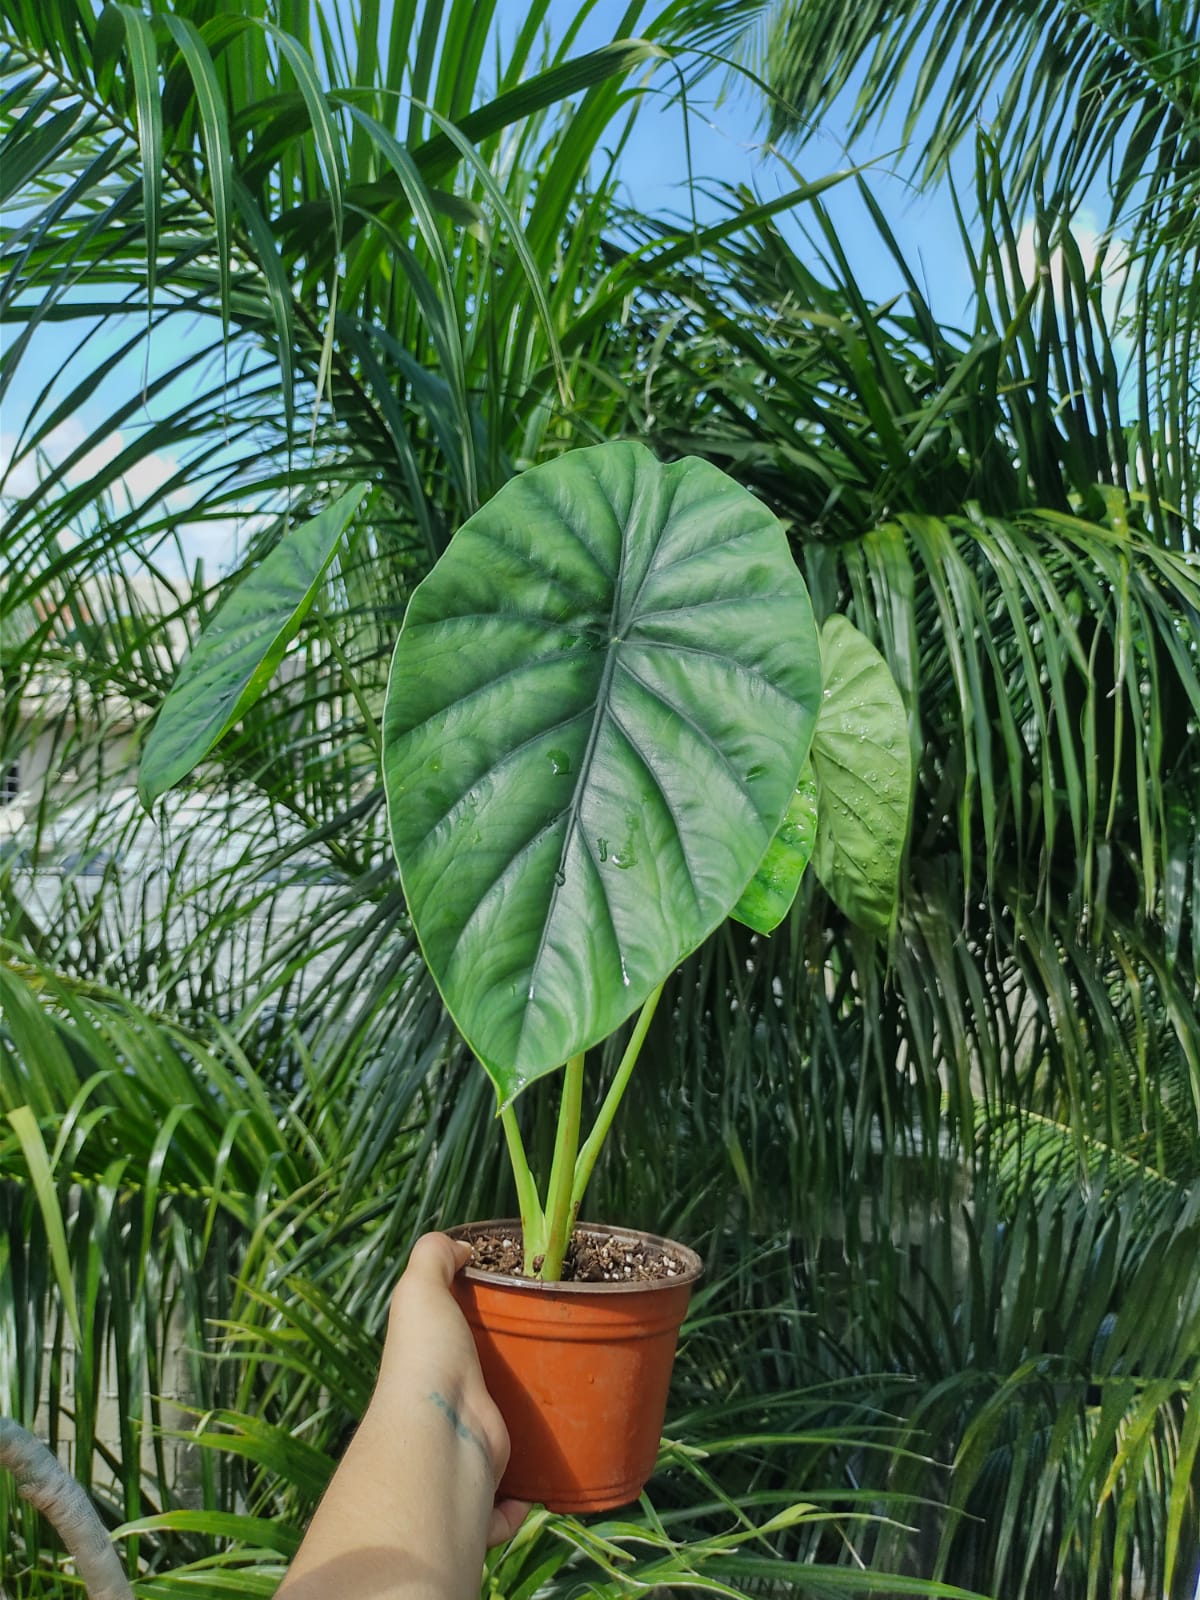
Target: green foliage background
x,y
946,1191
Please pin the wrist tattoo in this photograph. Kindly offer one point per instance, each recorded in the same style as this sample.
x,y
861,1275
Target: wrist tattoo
x,y
459,1426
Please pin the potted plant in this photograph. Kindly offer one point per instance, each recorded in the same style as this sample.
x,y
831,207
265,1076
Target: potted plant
x,y
610,723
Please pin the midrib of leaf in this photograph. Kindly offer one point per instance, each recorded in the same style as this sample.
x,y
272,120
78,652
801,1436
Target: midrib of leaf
x,y
599,713
1102,1149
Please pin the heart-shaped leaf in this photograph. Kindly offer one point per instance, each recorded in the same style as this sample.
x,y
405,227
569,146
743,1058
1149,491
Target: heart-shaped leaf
x,y
863,766
236,656
769,894
598,710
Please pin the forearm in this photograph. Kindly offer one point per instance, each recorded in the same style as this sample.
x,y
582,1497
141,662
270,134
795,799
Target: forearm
x,y
412,1506
406,1514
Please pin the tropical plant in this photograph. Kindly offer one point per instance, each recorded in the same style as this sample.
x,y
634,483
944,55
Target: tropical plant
x,y
221,158
848,1142
1093,109
283,1267
1042,992
701,761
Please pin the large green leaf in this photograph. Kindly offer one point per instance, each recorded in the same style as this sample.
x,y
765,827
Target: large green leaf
x,y
237,654
863,767
598,710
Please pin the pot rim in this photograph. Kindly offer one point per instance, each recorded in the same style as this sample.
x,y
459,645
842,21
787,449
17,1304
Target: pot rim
x,y
693,1266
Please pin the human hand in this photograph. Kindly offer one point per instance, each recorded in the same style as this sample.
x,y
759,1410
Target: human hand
x,y
429,1353
413,1503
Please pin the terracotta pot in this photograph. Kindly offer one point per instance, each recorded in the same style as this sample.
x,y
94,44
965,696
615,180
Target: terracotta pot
x,y
580,1372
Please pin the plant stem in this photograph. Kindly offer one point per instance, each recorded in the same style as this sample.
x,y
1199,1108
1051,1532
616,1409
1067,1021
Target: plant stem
x,y
560,1216
604,1117
533,1221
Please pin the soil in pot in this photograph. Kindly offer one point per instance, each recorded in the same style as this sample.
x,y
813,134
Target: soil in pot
x,y
597,1256
579,1369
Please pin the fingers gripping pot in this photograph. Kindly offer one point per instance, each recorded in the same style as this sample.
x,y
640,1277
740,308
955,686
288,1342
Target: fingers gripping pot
x,y
580,1372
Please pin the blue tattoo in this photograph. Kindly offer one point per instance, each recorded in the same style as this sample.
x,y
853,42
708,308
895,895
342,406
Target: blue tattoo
x,y
459,1426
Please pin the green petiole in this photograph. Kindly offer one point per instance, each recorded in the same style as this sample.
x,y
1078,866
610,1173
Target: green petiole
x,y
533,1221
604,1117
547,1231
560,1217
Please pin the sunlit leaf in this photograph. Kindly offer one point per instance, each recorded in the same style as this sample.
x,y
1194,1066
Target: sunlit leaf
x,y
596,717
861,760
237,654
769,894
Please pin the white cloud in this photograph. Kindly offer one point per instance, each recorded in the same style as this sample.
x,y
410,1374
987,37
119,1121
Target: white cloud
x,y
138,486
218,541
1112,257
93,462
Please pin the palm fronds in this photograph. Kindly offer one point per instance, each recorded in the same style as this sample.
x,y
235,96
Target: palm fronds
x,y
1093,112
950,1326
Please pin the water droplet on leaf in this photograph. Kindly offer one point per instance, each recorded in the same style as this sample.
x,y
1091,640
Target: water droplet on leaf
x,y
626,856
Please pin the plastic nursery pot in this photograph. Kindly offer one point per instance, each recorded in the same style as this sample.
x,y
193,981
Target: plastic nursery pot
x,y
579,1371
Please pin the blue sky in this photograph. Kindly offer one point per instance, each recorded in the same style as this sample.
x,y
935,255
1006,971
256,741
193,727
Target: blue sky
x,y
726,147
727,140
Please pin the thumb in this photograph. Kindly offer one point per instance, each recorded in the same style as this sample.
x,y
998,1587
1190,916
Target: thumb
x,y
436,1258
